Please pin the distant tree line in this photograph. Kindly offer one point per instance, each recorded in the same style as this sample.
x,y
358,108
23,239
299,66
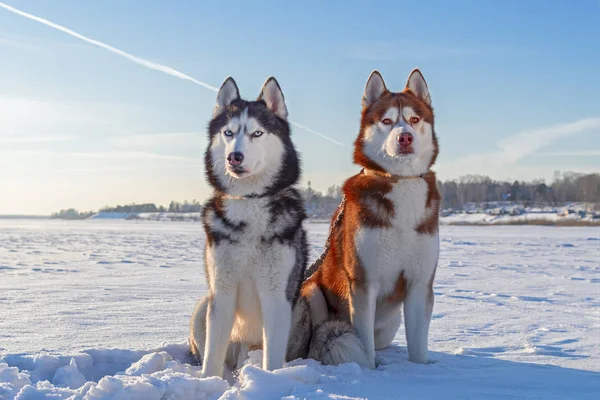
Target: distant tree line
x,y
71,213
566,187
185,207
174,207
321,205
132,208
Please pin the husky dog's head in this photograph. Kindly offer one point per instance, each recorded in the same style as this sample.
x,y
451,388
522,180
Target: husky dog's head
x,y
397,135
250,152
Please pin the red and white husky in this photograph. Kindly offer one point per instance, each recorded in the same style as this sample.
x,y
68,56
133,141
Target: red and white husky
x,y
384,244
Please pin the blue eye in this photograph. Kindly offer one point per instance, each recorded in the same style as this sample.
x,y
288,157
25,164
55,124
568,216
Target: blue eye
x,y
257,134
228,133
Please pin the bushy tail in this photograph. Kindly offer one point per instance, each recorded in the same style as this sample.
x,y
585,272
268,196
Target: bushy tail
x,y
311,336
330,342
336,342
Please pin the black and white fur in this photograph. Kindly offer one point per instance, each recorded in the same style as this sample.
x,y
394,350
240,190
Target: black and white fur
x,y
256,246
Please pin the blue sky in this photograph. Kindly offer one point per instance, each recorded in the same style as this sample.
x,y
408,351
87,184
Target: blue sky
x,y
515,86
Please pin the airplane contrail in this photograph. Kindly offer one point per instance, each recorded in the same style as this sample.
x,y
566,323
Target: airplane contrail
x,y
315,132
137,60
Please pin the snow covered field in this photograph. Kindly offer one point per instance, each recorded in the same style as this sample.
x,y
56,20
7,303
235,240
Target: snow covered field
x,y
99,309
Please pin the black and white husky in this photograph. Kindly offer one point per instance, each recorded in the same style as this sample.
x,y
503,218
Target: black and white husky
x,y
256,247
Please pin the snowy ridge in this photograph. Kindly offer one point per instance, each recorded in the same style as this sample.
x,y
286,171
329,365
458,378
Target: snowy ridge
x,y
100,310
487,219
515,214
107,374
158,375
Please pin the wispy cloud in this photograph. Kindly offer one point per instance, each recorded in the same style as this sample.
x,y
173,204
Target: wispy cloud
x,y
17,45
32,120
33,44
23,119
527,142
157,139
187,144
582,153
131,155
107,155
138,60
52,170
35,139
504,163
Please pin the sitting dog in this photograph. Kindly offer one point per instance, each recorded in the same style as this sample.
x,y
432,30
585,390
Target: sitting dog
x,y
256,247
383,247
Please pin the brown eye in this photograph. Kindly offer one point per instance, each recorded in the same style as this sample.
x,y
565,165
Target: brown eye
x,y
387,121
414,120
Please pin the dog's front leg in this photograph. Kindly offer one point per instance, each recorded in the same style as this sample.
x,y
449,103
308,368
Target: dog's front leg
x,y
362,314
219,323
277,318
418,307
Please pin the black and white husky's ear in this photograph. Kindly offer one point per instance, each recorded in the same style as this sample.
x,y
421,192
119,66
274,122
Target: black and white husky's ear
x,y
416,83
227,94
374,89
272,95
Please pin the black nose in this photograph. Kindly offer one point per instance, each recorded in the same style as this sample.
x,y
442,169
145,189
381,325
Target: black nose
x,y
235,158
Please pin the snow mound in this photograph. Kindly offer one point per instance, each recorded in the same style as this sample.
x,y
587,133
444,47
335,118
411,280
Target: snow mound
x,y
69,376
470,373
154,376
11,381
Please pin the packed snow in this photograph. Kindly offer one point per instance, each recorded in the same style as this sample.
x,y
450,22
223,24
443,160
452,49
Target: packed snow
x,y
99,309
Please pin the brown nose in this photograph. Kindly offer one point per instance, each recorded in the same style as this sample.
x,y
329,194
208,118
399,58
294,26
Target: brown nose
x,y
235,158
405,139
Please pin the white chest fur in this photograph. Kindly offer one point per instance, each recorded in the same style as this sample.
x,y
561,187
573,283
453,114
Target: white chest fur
x,y
254,213
386,252
246,256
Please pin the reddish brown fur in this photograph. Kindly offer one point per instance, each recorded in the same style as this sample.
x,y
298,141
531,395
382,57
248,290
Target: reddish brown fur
x,y
374,113
430,224
341,272
341,267
399,293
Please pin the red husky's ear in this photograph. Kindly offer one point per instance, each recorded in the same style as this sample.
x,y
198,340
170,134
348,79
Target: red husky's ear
x,y
227,94
272,95
374,89
416,83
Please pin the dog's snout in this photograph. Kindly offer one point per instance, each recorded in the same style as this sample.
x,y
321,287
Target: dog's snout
x,y
235,158
405,139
